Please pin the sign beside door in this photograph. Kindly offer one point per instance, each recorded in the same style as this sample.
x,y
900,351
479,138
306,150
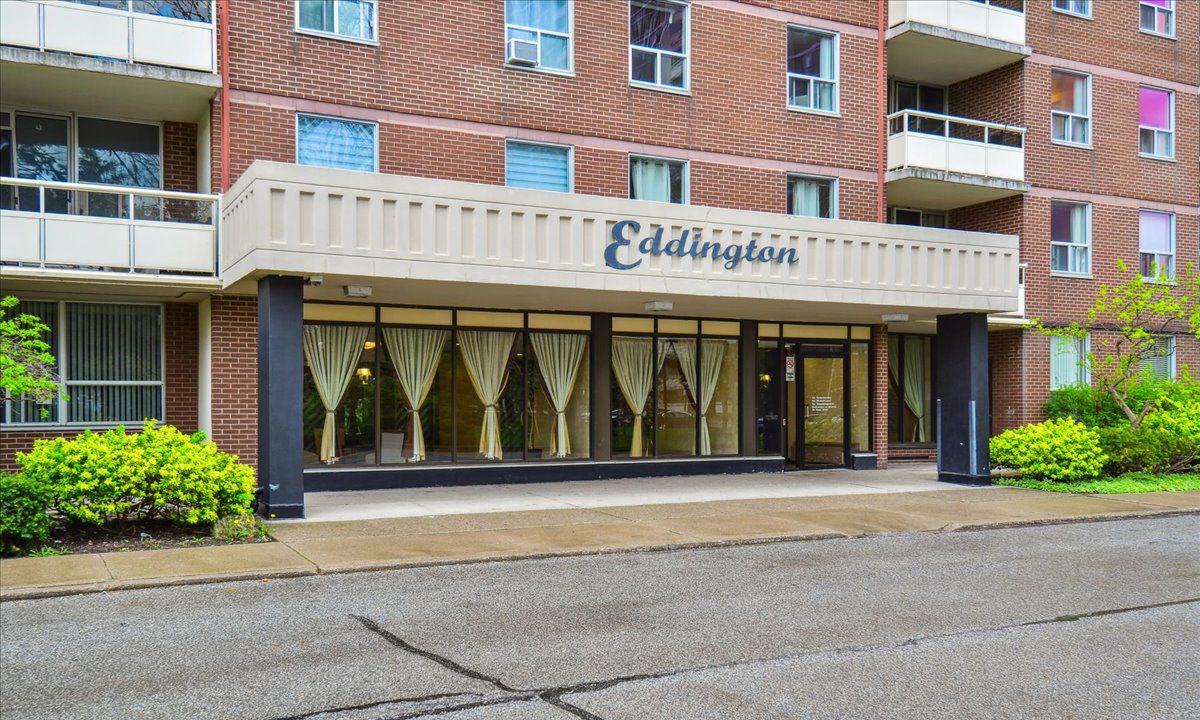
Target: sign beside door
x,y
789,368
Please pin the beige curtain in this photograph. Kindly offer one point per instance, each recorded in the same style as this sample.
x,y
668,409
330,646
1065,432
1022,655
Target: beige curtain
x,y
711,356
415,352
485,354
633,366
916,384
332,351
558,357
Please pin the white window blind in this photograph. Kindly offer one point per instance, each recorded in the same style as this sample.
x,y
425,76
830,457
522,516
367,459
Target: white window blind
x,y
1067,361
1162,361
538,167
335,143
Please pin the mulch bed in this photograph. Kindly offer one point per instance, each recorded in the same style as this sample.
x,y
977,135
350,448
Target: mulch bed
x,y
117,537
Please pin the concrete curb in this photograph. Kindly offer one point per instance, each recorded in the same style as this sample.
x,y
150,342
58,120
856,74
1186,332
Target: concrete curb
x,y
48,591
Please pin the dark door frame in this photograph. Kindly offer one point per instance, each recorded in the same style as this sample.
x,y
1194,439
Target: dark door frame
x,y
802,349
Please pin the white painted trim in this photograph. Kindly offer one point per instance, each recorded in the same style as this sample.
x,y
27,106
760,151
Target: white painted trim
x,y
333,35
686,54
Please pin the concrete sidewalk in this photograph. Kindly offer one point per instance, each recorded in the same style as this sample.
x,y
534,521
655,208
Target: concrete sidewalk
x,y
309,548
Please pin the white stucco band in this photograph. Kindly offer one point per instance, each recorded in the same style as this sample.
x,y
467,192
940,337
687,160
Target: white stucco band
x,y
446,242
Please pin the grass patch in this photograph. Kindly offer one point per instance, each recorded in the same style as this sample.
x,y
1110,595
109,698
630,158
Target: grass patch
x,y
1135,482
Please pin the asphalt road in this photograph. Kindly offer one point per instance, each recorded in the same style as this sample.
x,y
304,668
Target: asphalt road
x,y
1097,620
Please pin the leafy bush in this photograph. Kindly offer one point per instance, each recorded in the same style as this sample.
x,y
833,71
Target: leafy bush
x,y
1096,408
1062,449
159,472
1127,483
1145,449
24,513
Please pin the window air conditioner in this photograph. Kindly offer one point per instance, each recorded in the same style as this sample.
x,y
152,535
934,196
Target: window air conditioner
x,y
522,52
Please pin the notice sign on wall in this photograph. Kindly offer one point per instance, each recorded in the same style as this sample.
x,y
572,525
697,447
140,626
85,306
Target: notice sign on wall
x,y
789,368
820,403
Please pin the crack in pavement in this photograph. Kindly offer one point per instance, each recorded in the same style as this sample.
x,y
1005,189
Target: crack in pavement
x,y
378,703
554,695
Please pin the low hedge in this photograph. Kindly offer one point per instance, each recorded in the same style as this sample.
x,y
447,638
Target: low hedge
x,y
158,473
1064,450
24,513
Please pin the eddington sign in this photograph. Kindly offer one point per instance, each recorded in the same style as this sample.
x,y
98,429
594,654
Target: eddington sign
x,y
689,245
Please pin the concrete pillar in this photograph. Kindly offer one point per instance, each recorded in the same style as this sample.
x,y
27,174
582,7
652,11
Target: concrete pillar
x,y
961,398
600,362
280,390
748,388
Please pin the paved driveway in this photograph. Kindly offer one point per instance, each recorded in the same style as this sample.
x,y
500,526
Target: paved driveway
x,y
1093,620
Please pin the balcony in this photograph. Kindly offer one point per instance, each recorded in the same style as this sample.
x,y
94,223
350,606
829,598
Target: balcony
x,y
1016,317
942,162
944,41
65,231
440,242
112,59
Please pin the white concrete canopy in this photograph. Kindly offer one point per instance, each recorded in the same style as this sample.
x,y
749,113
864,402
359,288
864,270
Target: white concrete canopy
x,y
440,242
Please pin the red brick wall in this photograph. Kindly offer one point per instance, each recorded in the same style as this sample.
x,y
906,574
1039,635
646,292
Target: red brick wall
x,y
235,376
179,156
181,359
879,392
1111,38
430,63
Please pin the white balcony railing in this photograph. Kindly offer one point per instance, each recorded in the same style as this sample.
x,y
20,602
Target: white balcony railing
x,y
124,30
1019,313
1002,20
79,226
947,143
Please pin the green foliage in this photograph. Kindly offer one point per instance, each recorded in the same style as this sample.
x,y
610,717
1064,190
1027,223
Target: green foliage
x,y
1143,449
1062,449
24,513
1128,483
159,472
46,551
1137,310
27,368
233,528
1086,404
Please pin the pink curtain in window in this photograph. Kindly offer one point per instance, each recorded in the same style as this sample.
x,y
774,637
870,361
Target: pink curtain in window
x,y
1154,108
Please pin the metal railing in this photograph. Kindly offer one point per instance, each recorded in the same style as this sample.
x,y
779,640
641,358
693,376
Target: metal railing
x,y
171,33
83,225
956,128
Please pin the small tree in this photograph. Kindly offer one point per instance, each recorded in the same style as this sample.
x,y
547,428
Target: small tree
x,y
1136,310
28,370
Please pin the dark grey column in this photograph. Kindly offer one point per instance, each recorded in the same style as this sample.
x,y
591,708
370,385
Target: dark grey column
x,y
748,388
600,362
280,387
961,398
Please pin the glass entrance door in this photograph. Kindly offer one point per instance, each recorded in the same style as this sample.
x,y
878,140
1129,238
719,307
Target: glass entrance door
x,y
817,432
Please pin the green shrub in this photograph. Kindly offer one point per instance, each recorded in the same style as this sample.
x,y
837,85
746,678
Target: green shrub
x,y
1145,449
1062,449
1086,404
159,472
24,513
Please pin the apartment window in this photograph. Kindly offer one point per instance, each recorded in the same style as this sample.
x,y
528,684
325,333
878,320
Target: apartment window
x,y
812,197
1070,107
1082,8
1156,122
1161,360
658,179
1158,17
921,97
1068,361
537,166
110,362
812,70
353,19
546,24
1070,237
1156,243
336,143
658,43
919,218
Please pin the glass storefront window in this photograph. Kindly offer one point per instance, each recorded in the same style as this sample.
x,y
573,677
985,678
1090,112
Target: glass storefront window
x,y
559,400
769,391
719,395
339,395
675,389
489,375
415,372
633,370
860,398
910,390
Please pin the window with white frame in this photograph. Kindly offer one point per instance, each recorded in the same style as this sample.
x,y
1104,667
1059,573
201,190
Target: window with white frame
x,y
1156,122
658,43
1070,237
1082,8
110,364
537,166
812,196
336,143
658,179
1161,360
1156,244
812,70
1070,107
1068,361
1158,17
352,19
546,24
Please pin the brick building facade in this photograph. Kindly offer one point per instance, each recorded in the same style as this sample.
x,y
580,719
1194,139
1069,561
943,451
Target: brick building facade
x,y
444,97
